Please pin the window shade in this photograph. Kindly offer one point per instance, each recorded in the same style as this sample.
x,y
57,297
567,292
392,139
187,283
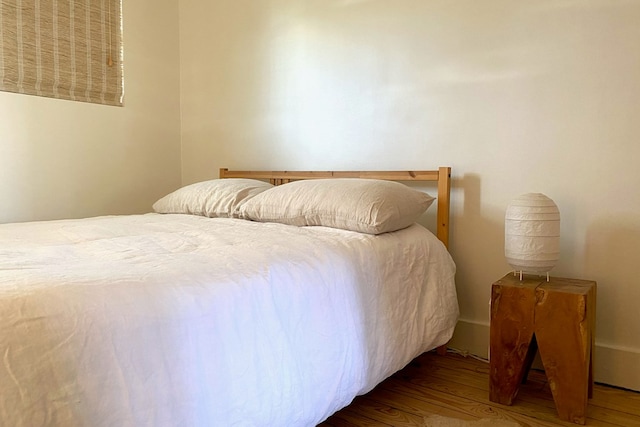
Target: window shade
x,y
67,49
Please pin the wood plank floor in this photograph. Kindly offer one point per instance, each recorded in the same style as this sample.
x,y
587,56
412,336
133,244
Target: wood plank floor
x,y
456,386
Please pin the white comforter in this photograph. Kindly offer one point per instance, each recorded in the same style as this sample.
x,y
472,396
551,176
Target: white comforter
x,y
178,320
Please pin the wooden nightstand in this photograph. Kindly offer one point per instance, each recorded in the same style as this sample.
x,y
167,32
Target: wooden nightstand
x,y
558,319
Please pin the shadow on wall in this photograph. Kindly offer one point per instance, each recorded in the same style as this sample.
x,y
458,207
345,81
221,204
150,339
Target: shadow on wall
x,y
611,257
477,247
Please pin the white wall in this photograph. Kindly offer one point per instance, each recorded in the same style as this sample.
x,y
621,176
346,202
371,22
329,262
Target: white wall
x,y
62,159
517,97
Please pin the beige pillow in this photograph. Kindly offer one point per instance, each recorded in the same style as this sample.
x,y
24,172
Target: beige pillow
x,y
365,205
218,198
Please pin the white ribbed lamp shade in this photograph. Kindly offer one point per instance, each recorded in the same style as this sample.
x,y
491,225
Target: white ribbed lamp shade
x,y
532,233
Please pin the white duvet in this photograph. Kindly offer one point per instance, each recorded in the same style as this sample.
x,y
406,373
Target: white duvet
x,y
179,320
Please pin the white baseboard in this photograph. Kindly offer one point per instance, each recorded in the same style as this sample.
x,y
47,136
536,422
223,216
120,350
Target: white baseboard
x,y
614,365
471,337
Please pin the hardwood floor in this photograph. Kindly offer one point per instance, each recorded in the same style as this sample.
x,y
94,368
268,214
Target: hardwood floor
x,y
456,386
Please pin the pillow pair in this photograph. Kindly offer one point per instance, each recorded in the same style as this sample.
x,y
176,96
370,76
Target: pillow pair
x,y
363,205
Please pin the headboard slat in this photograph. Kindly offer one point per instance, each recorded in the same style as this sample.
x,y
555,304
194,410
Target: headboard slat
x,y
442,176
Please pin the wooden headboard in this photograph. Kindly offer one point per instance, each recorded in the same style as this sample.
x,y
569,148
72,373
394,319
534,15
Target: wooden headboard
x,y
442,176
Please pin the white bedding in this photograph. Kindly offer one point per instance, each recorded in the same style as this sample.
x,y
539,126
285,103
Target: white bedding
x,y
181,320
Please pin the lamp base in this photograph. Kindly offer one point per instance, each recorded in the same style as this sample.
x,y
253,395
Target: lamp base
x,y
521,272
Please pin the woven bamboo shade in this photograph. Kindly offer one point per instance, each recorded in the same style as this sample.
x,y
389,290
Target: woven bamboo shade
x,y
67,49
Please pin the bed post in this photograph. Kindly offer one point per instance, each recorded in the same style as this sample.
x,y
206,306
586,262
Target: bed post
x,y
442,231
444,188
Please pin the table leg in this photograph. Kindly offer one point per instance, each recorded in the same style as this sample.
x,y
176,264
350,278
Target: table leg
x,y
512,342
568,372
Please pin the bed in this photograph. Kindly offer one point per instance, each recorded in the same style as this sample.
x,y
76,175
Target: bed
x,y
250,300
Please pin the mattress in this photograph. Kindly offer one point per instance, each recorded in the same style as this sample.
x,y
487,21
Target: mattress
x,y
182,320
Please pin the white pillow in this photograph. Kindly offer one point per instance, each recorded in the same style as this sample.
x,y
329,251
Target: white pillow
x,y
218,198
364,205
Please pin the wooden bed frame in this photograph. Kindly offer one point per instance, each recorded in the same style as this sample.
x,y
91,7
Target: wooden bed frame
x,y
442,176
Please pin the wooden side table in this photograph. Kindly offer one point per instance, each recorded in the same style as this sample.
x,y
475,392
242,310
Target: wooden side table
x,y
556,318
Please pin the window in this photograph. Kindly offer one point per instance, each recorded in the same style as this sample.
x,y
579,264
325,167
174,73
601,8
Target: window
x,y
67,49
